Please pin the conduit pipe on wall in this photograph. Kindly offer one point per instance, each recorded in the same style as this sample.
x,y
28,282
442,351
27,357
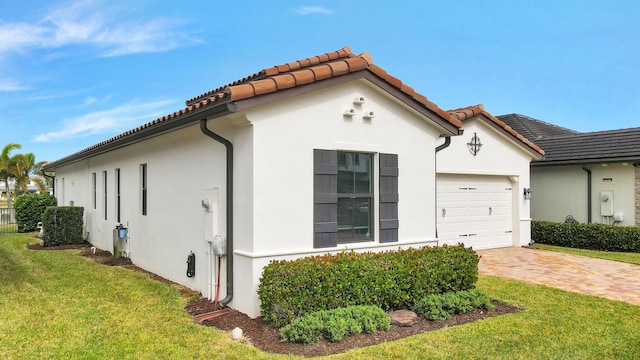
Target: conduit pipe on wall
x,y
584,167
229,195
447,142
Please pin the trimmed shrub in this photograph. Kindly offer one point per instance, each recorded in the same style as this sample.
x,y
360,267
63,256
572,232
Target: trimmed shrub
x,y
442,306
335,324
390,280
587,236
29,208
62,225
431,307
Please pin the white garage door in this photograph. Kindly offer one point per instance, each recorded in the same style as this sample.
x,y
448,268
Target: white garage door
x,y
475,210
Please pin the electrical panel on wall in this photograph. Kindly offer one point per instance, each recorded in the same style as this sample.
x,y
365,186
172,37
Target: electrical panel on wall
x,y
606,203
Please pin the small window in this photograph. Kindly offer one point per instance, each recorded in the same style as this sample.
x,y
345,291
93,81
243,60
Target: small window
x,y
104,193
94,189
117,178
143,188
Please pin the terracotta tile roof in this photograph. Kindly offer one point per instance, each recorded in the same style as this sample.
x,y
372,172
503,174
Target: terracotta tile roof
x,y
469,112
315,69
268,81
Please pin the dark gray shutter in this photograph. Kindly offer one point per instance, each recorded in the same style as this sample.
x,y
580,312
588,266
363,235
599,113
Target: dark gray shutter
x,y
388,198
325,202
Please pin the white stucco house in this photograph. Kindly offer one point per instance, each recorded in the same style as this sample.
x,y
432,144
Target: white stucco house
x,y
591,177
318,155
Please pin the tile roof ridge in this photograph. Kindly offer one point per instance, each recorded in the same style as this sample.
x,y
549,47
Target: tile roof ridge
x,y
344,52
467,112
627,131
315,69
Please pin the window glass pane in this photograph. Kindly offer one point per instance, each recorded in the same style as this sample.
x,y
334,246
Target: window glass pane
x,y
362,174
345,218
354,220
345,173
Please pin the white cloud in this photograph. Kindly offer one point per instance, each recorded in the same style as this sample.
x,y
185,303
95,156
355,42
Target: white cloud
x,y
8,85
120,118
306,10
92,24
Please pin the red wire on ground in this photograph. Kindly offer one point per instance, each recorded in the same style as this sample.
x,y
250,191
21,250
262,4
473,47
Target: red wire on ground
x,y
215,304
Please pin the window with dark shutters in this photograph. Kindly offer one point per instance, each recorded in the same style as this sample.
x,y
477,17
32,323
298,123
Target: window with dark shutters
x,y
388,198
325,207
327,211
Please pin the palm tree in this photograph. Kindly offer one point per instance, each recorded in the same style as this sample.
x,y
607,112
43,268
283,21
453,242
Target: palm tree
x,y
24,168
6,162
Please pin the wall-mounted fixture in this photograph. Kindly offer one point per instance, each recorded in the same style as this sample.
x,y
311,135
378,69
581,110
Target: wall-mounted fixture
x,y
349,112
527,193
474,145
358,100
368,115
206,204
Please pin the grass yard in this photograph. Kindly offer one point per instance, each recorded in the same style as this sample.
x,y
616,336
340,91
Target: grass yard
x,y
631,258
57,305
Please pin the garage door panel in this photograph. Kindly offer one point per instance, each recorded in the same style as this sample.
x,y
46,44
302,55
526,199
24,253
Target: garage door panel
x,y
475,210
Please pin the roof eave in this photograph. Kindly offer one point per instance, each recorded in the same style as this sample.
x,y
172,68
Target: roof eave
x,y
630,159
176,123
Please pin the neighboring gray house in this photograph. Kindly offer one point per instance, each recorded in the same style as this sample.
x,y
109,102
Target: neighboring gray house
x,y
593,177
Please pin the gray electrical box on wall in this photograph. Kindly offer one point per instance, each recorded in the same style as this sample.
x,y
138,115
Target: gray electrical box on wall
x,y
606,203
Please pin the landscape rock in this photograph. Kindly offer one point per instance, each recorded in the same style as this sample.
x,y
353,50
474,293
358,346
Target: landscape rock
x,y
404,318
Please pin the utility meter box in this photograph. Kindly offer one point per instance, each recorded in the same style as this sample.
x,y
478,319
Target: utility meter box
x,y
606,203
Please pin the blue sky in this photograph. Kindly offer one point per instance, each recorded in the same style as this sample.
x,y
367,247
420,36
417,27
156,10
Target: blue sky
x,y
74,73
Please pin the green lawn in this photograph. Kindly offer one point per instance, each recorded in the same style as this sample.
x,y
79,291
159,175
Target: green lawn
x,y
57,305
631,258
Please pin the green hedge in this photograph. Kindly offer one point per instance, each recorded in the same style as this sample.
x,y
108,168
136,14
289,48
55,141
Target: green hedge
x,y
587,236
29,208
62,225
390,280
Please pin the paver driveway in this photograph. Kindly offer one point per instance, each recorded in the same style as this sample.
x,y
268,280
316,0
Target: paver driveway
x,y
609,279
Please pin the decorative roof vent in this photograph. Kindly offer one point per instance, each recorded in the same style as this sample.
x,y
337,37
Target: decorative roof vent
x,y
349,112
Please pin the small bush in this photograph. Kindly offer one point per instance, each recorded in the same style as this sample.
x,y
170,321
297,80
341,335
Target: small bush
x,y
431,307
335,324
390,280
62,225
442,306
587,236
29,208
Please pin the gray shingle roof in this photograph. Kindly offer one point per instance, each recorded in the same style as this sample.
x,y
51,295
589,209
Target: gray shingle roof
x,y
562,145
534,129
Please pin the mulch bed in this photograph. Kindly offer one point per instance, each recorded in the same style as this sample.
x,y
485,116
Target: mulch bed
x,y
266,337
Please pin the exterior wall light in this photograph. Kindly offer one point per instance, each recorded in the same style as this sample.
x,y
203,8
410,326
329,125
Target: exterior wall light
x,y
527,193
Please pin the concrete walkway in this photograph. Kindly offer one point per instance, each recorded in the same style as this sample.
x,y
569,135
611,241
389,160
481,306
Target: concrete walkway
x,y
608,279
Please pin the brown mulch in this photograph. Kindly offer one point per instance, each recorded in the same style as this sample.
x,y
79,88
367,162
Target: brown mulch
x,y
266,337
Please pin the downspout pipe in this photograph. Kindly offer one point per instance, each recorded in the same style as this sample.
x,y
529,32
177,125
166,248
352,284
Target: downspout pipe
x,y
229,195
447,142
584,167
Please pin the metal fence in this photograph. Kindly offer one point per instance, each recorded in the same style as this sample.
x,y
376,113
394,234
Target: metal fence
x,y
8,221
